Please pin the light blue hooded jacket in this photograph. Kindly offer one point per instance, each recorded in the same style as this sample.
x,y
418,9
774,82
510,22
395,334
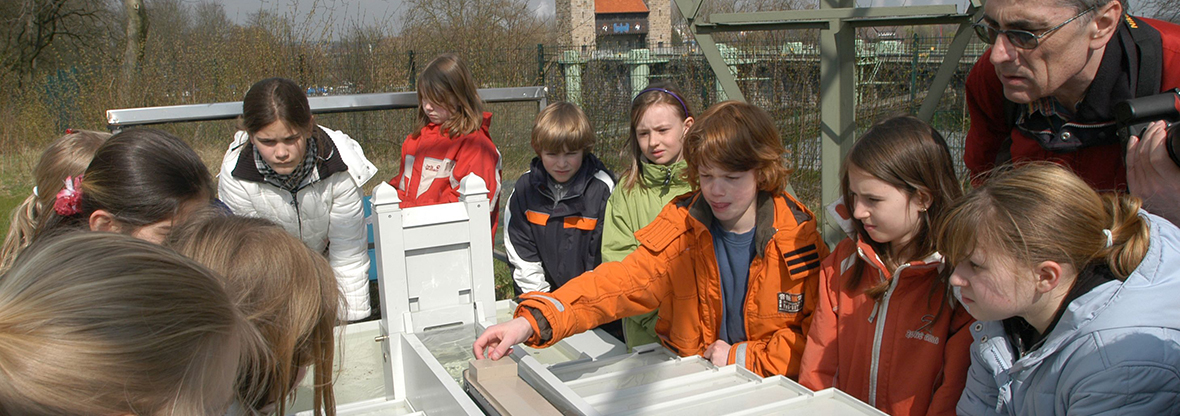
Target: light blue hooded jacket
x,y
1116,350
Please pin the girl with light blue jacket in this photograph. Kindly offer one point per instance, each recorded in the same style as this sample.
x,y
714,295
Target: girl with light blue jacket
x,y
1075,294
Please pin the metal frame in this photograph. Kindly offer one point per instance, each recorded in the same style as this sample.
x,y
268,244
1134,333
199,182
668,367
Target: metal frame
x,y
837,21
128,117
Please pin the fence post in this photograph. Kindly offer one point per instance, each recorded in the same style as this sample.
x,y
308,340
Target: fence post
x,y
540,64
914,72
413,71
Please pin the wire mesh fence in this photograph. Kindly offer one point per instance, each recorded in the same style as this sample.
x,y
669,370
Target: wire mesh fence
x,y
892,76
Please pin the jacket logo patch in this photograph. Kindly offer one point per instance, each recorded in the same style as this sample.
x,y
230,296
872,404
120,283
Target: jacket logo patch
x,y
433,169
790,302
923,332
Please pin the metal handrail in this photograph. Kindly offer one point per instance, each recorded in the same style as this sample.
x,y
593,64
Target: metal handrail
x,y
128,117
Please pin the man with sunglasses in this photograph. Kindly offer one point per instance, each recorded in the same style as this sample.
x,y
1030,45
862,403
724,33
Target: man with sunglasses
x,y
1046,88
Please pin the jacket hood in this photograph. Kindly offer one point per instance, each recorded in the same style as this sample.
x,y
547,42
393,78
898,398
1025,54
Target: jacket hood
x,y
1136,302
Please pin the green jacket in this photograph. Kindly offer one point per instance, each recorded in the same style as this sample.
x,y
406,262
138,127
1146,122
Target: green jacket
x,y
629,210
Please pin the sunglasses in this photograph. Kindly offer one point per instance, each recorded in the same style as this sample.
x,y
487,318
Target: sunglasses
x,y
1022,39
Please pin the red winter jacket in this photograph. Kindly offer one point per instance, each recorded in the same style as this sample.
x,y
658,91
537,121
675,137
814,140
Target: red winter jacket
x,y
438,162
900,354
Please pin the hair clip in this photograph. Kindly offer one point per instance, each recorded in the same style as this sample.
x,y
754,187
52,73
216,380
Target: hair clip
x,y
69,199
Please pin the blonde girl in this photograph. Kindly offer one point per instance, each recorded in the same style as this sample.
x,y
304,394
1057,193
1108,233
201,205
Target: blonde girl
x,y
655,173
883,330
64,159
140,182
1075,293
286,290
106,324
452,140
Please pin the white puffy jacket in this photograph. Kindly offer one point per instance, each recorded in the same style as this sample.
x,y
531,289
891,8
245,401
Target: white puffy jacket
x,y
325,215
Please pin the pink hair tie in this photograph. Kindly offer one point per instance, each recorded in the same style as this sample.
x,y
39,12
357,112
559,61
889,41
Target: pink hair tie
x,y
69,199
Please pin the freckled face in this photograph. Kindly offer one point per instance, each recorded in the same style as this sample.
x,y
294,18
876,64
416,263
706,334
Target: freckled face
x,y
993,286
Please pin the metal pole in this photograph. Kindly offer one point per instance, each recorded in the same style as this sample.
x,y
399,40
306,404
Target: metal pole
x,y
837,108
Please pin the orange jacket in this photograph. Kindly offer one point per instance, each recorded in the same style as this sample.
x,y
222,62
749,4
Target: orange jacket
x,y
675,269
901,354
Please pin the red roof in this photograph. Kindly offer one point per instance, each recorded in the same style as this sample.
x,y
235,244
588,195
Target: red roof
x,y
620,6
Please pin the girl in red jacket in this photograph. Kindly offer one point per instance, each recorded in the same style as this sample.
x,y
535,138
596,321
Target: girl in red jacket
x,y
452,140
884,330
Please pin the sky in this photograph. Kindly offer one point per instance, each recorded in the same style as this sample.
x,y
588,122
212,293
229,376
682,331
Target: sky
x,y
388,12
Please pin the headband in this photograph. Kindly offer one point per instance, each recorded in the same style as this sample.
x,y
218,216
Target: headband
x,y
664,90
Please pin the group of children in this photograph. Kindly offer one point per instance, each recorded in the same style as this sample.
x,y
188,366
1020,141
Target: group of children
x,y
698,245
706,252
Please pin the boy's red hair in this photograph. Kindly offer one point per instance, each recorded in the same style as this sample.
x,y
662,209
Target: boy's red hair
x,y
736,136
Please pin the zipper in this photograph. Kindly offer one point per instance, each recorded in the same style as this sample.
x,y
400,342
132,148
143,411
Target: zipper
x,y
298,218
881,309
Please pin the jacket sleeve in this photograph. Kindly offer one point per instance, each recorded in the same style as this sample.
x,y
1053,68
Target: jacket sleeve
x,y
781,353
521,249
980,392
1124,374
618,231
820,362
231,191
611,291
399,181
989,123
955,362
478,155
348,245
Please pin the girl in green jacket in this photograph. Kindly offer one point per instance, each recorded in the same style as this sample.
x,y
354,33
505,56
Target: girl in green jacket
x,y
659,119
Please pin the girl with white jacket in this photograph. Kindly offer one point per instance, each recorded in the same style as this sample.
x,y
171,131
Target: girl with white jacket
x,y
283,167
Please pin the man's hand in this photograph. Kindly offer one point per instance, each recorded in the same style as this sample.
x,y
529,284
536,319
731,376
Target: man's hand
x,y
1152,175
499,339
717,353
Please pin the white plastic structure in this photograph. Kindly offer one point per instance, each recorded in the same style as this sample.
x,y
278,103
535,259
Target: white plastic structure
x,y
435,276
436,285
653,381
434,263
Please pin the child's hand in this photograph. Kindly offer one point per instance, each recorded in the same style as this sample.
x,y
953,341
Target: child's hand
x,y
717,353
499,339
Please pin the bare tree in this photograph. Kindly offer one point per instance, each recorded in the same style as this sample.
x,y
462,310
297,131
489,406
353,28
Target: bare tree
x,y
31,27
137,32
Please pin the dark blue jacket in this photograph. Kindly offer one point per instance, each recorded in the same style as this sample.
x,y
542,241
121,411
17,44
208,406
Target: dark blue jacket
x,y
552,241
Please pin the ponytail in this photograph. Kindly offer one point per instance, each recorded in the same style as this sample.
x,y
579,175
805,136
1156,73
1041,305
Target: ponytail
x,y
1130,235
20,231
